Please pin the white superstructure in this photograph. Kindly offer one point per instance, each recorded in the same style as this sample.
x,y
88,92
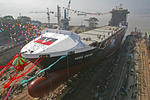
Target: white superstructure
x,y
54,43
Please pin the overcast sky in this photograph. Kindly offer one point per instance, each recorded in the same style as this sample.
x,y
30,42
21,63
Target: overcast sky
x,y
14,7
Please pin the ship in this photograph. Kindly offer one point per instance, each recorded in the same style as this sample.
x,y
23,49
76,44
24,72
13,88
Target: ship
x,y
79,51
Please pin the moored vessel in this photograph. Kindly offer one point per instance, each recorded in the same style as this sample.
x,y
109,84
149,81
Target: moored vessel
x,y
78,51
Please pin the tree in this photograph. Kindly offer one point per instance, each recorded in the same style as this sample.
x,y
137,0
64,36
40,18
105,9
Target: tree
x,y
24,20
8,19
92,22
35,22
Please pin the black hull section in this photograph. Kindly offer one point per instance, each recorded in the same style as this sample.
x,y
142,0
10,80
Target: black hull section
x,y
81,58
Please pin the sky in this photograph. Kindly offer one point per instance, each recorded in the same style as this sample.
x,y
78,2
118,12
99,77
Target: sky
x,y
14,7
27,5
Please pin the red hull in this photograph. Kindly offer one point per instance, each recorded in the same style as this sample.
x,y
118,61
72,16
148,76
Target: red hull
x,y
43,85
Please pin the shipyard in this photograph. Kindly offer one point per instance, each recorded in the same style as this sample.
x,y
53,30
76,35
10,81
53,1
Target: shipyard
x,y
57,59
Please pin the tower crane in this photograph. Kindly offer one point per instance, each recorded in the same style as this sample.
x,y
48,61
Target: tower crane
x,y
48,14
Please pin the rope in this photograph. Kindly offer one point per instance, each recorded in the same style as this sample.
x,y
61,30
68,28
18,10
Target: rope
x,y
4,69
14,78
1,67
25,81
9,82
10,90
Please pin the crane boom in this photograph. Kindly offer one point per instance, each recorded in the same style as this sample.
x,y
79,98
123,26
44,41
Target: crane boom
x,y
48,14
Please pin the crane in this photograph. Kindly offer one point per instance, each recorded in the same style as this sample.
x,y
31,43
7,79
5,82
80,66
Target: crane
x,y
65,21
48,14
68,9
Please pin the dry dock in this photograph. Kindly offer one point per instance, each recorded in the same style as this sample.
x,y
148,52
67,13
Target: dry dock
x,y
122,76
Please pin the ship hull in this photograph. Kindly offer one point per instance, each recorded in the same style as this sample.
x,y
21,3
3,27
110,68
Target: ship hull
x,y
75,59
70,65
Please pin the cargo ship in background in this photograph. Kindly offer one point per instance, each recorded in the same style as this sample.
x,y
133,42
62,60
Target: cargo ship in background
x,y
80,51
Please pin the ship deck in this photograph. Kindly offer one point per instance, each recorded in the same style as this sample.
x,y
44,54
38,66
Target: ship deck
x,y
98,35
